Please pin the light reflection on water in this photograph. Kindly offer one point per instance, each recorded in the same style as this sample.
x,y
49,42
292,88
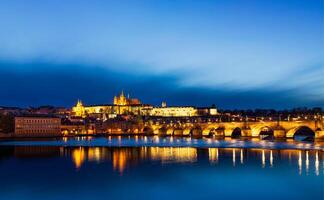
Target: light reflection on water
x,y
151,141
106,172
121,158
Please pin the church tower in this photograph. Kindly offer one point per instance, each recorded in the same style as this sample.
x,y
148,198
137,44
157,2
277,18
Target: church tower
x,y
79,109
121,100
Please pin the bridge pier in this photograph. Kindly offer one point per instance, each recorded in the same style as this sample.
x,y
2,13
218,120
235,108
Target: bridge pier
x,y
196,132
178,132
246,133
319,134
279,133
228,132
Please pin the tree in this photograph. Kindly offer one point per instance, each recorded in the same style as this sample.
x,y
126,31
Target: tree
x,y
7,123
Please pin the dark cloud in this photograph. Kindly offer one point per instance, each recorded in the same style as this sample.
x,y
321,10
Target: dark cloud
x,y
33,84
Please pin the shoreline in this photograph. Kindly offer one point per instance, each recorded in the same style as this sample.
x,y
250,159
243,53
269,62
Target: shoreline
x,y
12,136
129,142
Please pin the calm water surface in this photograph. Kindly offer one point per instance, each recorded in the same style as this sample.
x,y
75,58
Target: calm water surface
x,y
144,168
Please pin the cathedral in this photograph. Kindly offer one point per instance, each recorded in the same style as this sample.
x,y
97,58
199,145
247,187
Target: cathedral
x,y
121,105
121,100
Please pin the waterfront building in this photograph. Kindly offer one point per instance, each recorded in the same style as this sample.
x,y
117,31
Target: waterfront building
x,y
37,126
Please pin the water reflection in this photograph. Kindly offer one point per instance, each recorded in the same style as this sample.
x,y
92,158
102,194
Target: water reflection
x,y
122,158
234,157
271,159
241,156
213,155
263,159
300,162
78,157
316,164
173,154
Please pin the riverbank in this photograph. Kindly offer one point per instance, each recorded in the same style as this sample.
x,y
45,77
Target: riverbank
x,y
156,141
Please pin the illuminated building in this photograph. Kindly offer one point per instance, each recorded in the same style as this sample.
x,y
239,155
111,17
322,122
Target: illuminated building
x,y
126,105
121,100
187,111
79,109
37,126
121,105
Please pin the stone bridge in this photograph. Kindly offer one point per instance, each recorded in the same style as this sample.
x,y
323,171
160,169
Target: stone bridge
x,y
278,129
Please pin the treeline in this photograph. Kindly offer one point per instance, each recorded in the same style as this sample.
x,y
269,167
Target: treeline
x,y
7,123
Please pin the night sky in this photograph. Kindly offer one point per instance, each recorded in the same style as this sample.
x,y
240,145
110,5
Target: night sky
x,y
233,53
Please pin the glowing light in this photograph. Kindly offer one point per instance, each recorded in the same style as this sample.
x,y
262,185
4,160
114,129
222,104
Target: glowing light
x,y
174,154
78,157
316,164
233,157
241,156
263,158
271,159
306,162
119,160
213,155
300,162
157,139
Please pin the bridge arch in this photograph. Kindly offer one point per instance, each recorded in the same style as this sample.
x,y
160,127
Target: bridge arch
x,y
220,131
196,132
147,130
209,131
266,132
302,132
263,131
162,131
236,133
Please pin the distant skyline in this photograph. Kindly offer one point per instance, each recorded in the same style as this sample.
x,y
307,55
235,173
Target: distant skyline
x,y
233,53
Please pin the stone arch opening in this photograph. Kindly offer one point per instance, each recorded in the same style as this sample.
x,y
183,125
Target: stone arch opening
x,y
220,131
148,131
266,133
236,133
304,133
213,132
209,131
162,131
196,132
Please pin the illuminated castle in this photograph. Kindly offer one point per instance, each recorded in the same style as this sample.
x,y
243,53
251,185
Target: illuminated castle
x,y
121,105
127,105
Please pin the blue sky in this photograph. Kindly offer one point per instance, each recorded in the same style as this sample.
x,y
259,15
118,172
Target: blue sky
x,y
233,53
